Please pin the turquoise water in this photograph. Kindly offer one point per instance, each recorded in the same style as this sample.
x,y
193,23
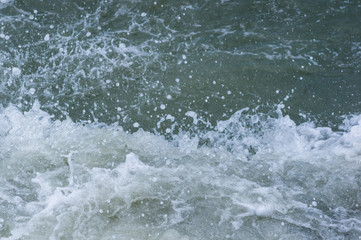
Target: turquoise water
x,y
180,119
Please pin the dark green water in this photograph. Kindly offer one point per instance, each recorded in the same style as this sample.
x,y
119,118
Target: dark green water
x,y
101,56
119,106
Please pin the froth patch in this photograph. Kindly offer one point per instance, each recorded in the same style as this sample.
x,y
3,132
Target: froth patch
x,y
16,71
172,234
5,125
96,179
5,3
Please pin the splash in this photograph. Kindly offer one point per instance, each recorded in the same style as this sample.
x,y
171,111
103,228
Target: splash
x,y
90,181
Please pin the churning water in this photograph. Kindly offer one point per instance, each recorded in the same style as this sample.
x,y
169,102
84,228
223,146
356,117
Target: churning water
x,y
203,119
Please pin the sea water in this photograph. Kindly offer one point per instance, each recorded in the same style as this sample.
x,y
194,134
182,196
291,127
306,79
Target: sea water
x,y
180,119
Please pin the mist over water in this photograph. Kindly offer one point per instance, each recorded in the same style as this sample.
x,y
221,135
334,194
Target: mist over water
x,y
180,119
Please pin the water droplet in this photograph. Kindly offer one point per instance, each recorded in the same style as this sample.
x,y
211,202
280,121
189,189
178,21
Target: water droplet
x,y
136,125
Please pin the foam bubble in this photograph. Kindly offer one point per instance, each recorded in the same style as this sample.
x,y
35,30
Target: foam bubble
x,y
16,71
136,125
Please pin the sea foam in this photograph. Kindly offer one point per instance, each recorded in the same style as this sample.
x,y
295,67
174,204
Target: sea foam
x,y
88,181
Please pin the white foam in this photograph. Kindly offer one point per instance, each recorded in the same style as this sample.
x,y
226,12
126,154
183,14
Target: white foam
x,y
16,71
5,125
193,115
136,125
172,234
91,177
5,3
47,37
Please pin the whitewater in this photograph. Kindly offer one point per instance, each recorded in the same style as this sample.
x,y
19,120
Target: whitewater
x,y
180,120
65,180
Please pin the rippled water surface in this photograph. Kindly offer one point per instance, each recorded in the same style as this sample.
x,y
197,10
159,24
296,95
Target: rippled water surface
x,y
180,119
